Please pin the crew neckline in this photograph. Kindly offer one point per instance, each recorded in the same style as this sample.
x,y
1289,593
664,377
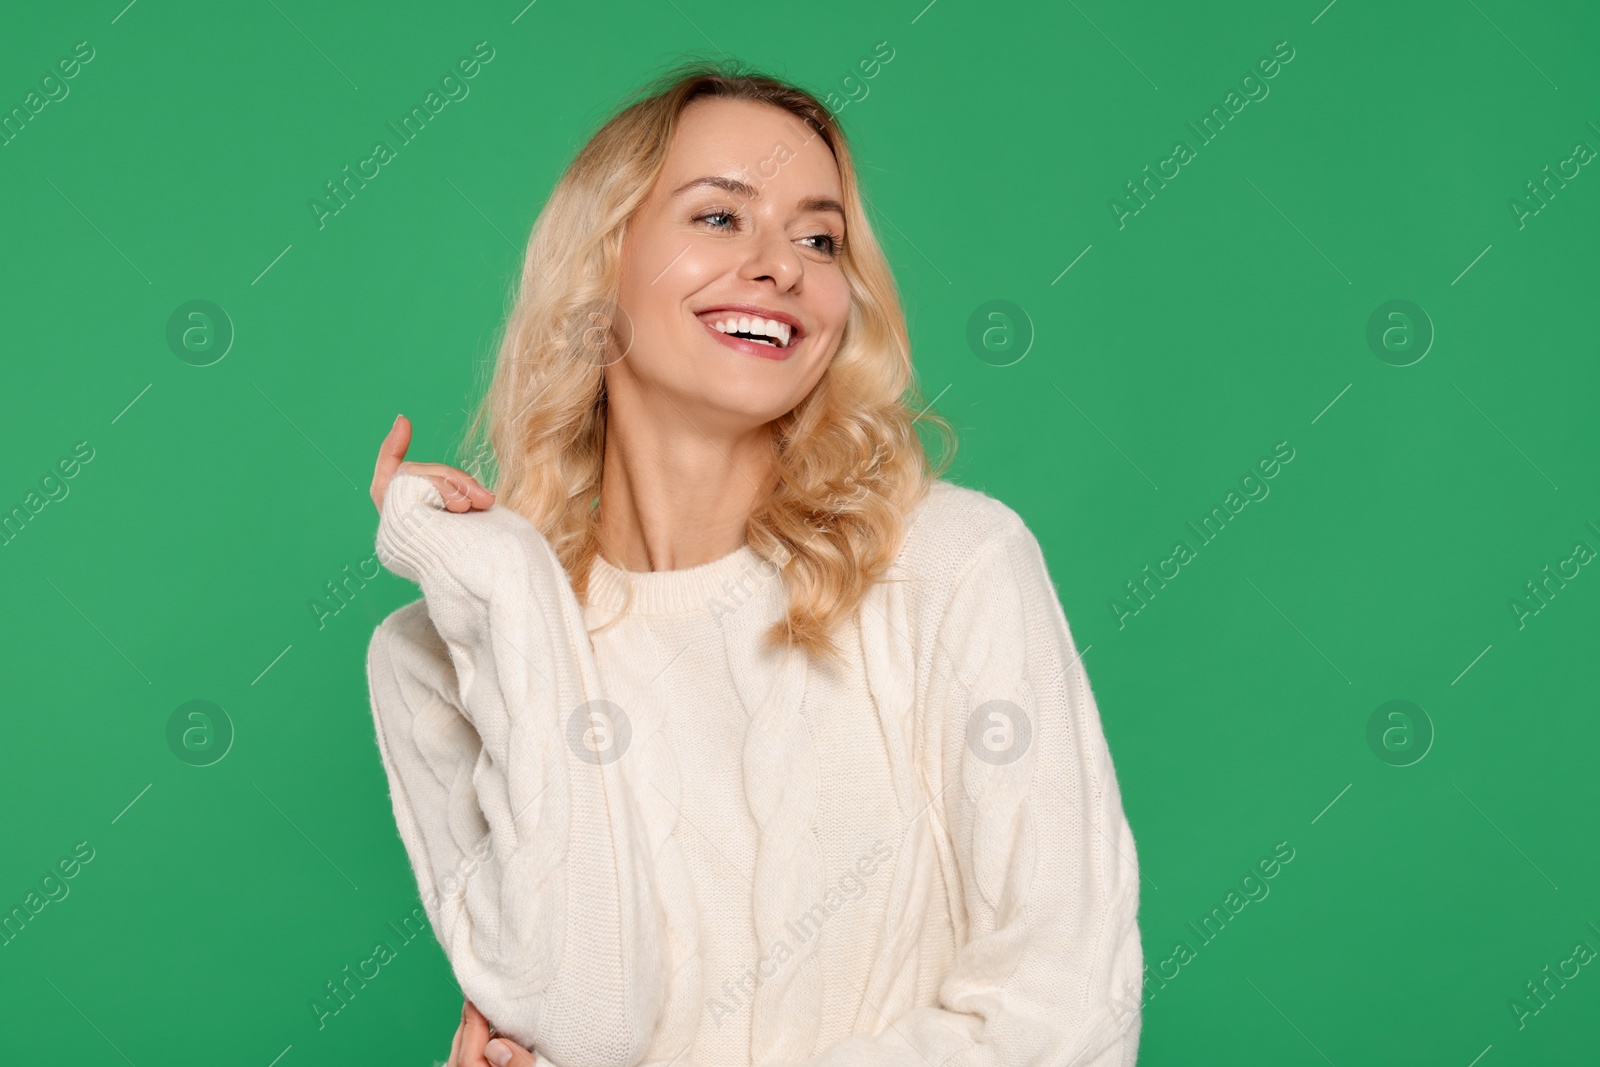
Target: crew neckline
x,y
668,592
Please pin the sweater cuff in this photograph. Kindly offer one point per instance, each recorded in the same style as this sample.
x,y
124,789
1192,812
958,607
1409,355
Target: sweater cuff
x,y
416,532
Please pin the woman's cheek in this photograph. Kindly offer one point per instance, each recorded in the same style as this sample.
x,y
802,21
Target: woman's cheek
x,y
836,306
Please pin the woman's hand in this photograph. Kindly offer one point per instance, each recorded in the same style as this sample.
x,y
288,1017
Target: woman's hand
x,y
460,490
472,1047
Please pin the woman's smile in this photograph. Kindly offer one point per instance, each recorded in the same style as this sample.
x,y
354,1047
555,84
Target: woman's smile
x,y
758,331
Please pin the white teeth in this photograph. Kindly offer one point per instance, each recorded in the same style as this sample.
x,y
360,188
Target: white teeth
x,y
779,332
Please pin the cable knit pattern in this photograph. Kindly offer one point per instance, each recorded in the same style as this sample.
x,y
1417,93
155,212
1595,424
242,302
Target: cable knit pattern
x,y
660,781
917,858
892,983
781,784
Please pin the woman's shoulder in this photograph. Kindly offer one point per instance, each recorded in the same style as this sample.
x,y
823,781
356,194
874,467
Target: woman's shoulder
x,y
951,518
950,528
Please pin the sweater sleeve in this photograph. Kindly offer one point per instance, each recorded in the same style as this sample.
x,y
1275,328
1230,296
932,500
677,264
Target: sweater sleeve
x,y
1048,966
506,783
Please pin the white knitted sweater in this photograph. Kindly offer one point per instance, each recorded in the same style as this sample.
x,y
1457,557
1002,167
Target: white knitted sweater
x,y
663,843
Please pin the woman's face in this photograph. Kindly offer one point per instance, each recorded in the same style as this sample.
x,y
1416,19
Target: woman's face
x,y
743,226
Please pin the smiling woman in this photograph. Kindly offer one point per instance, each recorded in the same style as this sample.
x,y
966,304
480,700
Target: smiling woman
x,y
721,631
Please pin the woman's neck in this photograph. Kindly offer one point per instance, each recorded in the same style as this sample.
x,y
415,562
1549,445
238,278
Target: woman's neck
x,y
674,504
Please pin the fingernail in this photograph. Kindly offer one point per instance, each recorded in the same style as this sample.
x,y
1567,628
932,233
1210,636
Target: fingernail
x,y
498,1053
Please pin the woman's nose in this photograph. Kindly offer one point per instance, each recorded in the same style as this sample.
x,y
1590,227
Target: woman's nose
x,y
770,255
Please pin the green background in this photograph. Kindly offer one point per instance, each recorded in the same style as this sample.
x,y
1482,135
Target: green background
x,y
1229,314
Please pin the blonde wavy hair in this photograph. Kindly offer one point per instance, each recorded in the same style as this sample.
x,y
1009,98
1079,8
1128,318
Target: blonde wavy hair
x,y
848,460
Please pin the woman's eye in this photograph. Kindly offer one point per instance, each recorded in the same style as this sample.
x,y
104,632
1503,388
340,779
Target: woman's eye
x,y
831,243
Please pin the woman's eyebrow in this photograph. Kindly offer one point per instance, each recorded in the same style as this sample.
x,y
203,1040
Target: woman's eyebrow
x,y
746,191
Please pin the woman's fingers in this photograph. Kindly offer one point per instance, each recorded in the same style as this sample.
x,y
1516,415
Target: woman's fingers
x,y
455,1045
391,453
474,1035
460,490
502,1053
473,1047
477,1050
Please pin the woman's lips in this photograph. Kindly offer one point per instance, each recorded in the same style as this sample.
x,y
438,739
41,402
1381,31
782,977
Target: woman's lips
x,y
752,348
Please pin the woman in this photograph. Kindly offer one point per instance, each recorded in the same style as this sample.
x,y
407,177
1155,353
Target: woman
x,y
726,732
